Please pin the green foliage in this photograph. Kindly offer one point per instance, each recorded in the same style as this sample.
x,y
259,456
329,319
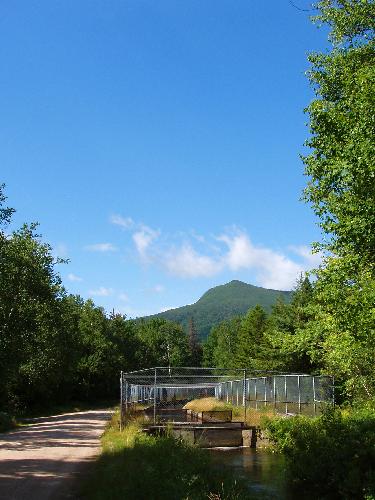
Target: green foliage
x,y
195,348
341,190
6,422
294,347
279,341
221,346
57,347
251,342
328,457
221,303
30,291
164,343
138,466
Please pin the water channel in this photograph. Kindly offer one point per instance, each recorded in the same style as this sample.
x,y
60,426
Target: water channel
x,y
262,470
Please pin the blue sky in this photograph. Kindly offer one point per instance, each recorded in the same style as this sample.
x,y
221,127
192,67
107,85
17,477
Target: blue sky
x,y
158,142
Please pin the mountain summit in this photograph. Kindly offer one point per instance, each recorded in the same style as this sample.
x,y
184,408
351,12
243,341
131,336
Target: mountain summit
x,y
223,302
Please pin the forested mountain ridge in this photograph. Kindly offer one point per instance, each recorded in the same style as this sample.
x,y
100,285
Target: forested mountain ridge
x,y
223,302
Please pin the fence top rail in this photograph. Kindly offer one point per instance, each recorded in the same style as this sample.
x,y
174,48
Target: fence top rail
x,y
192,369
222,375
206,385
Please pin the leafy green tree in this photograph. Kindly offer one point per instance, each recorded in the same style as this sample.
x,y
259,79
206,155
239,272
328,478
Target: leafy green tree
x,y
294,346
208,348
341,190
54,347
195,348
221,345
164,343
30,290
251,343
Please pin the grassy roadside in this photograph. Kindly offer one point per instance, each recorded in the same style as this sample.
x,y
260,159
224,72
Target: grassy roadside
x,y
137,466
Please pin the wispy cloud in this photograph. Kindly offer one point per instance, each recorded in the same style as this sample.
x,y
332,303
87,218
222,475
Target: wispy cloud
x,y
188,263
101,247
60,250
73,277
231,251
101,292
314,259
124,222
143,239
273,269
123,297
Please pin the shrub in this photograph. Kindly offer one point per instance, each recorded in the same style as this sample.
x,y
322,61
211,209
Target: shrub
x,y
6,422
331,456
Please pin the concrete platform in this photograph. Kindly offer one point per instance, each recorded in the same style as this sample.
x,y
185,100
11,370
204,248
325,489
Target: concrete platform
x,y
210,436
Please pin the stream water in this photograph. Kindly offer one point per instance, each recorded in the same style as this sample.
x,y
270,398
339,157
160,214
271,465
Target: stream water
x,y
262,470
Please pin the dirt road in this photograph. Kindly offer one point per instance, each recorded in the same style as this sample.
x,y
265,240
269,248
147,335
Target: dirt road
x,y
43,460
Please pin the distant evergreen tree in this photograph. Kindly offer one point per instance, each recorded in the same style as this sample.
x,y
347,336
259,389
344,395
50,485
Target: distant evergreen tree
x,y
195,348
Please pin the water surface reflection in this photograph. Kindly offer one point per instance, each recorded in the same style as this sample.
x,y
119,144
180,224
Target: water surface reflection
x,y
262,470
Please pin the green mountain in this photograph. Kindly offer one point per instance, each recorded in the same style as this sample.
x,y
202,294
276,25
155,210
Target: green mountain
x,y
223,302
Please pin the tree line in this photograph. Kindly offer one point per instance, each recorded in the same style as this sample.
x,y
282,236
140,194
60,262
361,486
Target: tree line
x,y
261,341
56,347
330,325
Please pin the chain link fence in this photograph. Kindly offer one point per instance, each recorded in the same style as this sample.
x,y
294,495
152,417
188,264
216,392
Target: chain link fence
x,y
157,391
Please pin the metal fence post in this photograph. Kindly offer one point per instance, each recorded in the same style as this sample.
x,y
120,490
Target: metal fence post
x,y
274,391
244,391
121,401
299,393
314,394
155,396
285,396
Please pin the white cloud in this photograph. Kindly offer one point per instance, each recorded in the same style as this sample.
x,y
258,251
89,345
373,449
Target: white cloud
x,y
60,250
143,236
143,239
313,259
158,289
188,263
101,247
273,269
130,312
101,292
123,297
124,222
73,277
167,308
232,251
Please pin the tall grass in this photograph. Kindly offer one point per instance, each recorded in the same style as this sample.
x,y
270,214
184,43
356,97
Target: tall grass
x,y
137,466
253,417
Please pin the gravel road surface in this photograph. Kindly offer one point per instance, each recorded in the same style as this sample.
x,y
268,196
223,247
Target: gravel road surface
x,y
43,460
